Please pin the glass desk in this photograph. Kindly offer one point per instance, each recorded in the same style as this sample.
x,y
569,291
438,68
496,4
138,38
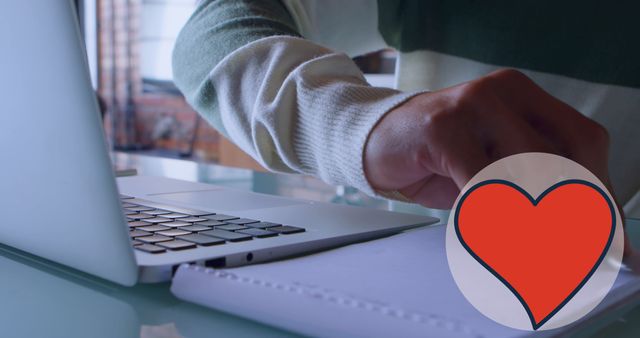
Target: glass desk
x,y
44,299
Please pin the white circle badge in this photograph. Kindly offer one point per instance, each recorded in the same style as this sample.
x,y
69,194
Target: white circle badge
x,y
534,241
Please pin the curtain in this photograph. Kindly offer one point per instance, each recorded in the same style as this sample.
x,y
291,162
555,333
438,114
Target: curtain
x,y
119,68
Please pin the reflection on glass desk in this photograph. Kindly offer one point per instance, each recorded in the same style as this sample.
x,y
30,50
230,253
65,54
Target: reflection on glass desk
x,y
289,185
44,299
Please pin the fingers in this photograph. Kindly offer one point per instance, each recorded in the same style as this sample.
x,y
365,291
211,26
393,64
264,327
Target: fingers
x,y
583,140
572,134
464,157
565,130
435,191
513,135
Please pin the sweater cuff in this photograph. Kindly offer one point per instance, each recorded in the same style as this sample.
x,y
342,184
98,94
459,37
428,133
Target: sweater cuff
x,y
337,152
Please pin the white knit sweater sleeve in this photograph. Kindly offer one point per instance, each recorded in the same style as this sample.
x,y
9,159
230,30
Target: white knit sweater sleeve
x,y
298,107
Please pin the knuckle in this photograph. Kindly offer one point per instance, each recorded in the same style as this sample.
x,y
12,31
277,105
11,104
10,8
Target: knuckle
x,y
494,83
478,97
439,120
421,157
501,81
509,75
478,88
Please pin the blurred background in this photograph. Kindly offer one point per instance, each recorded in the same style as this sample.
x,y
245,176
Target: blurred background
x,y
129,44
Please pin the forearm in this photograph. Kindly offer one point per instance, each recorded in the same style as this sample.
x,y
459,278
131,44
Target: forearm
x,y
292,105
216,29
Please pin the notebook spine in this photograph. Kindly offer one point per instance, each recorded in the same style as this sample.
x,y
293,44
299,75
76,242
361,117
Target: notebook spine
x,y
326,295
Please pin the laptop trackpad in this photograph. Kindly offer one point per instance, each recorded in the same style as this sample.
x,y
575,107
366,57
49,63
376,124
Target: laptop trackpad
x,y
226,200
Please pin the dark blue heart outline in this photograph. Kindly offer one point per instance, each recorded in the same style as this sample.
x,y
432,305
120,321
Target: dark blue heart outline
x,y
535,202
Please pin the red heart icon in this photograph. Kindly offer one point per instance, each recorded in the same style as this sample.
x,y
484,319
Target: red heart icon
x,y
543,249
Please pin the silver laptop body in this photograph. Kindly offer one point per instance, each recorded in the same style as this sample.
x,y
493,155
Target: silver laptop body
x,y
60,199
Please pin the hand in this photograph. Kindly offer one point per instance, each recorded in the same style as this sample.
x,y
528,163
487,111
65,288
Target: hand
x,y
429,147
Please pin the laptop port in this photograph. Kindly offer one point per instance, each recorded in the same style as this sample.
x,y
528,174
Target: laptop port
x,y
216,263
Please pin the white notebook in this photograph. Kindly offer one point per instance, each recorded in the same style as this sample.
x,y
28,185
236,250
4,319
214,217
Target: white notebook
x,y
394,287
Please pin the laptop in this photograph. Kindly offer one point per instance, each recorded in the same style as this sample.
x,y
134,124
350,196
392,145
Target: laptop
x,y
61,201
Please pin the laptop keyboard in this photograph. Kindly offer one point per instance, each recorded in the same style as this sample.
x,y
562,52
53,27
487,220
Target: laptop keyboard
x,y
157,228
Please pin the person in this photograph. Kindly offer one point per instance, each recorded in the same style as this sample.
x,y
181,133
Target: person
x,y
475,82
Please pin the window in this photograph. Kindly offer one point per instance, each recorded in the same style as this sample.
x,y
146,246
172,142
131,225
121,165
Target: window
x,y
145,111
160,23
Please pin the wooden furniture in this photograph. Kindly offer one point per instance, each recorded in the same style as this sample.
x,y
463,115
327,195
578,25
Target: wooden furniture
x,y
232,156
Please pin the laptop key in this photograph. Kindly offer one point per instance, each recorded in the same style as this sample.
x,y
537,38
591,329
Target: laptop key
x,y
212,223
173,232
191,212
138,233
128,205
177,245
242,221
187,211
260,233
134,224
176,224
154,228
201,240
134,242
226,235
220,217
195,228
194,219
158,220
156,212
128,212
175,215
125,197
263,225
139,208
286,229
154,239
150,248
139,216
231,227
